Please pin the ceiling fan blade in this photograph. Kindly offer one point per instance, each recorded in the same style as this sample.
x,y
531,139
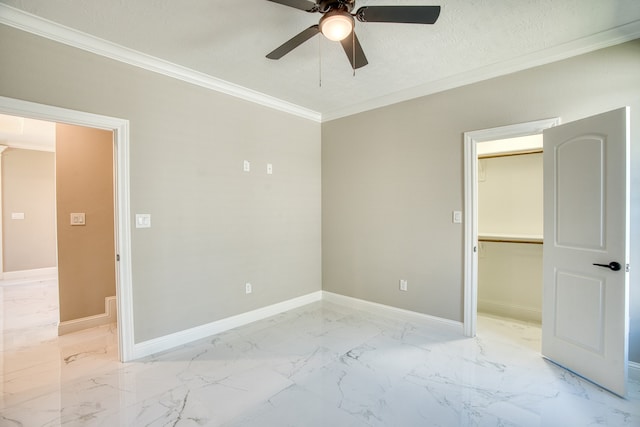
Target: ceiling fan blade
x,y
348,44
294,42
305,5
399,14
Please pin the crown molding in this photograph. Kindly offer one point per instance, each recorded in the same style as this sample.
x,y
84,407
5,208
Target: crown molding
x,y
614,36
53,31
33,24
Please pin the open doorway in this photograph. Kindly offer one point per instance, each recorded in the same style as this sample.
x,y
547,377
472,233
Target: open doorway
x,y
510,228
58,272
120,129
472,174
28,287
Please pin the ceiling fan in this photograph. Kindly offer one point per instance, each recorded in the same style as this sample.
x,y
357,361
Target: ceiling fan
x,y
337,23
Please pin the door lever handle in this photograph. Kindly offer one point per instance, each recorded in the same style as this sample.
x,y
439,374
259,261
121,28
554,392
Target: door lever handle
x,y
612,265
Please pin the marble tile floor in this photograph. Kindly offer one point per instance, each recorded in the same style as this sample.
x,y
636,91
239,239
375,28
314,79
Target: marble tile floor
x,y
320,365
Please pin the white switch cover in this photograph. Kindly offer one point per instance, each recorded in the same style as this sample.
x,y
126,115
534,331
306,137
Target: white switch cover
x,y
247,166
269,169
403,285
248,288
17,215
457,217
143,220
77,218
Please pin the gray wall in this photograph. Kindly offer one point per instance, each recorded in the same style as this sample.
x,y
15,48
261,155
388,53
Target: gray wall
x,y
392,176
390,179
214,227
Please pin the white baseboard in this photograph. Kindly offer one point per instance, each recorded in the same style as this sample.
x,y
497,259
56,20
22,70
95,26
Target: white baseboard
x,y
15,277
634,371
513,311
167,342
110,315
386,310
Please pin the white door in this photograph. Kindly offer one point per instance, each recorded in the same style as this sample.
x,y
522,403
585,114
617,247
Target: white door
x,y
586,223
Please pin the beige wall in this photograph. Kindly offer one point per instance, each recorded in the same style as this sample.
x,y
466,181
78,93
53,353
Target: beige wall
x,y
28,187
510,196
392,176
214,227
510,280
86,254
510,202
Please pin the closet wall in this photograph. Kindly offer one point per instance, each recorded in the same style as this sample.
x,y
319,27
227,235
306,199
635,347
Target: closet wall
x,y
510,224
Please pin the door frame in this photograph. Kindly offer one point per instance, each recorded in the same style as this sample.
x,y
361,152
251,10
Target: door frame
x,y
471,139
120,128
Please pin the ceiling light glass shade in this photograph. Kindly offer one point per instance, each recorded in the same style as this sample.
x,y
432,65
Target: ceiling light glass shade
x,y
336,26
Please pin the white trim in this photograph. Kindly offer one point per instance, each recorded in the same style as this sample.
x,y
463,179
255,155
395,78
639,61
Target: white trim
x,y
634,371
471,207
47,273
470,307
611,37
120,127
109,316
53,31
176,339
386,310
513,311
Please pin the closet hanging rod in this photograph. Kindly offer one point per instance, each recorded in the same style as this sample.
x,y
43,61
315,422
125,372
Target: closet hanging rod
x,y
509,154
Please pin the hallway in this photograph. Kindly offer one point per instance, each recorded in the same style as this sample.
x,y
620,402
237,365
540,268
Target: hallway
x,y
33,359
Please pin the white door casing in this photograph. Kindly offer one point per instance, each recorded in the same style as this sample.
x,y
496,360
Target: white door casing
x,y
471,140
586,222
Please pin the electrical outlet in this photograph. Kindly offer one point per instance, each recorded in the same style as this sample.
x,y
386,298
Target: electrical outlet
x,y
248,288
403,285
246,166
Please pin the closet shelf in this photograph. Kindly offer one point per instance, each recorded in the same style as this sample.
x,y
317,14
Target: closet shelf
x,y
510,238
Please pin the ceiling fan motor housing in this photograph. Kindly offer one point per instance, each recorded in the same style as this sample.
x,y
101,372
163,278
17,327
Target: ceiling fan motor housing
x,y
325,6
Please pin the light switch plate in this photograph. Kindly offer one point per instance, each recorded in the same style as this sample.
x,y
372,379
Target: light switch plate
x,y
457,217
17,215
269,169
77,218
143,220
246,166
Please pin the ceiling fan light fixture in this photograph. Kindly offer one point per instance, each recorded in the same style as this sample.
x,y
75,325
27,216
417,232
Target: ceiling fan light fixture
x,y
336,25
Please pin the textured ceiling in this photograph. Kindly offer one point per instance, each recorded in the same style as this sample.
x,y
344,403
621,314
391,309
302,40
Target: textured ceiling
x,y
228,40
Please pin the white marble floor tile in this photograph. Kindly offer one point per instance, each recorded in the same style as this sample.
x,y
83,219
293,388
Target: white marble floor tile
x,y
319,365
